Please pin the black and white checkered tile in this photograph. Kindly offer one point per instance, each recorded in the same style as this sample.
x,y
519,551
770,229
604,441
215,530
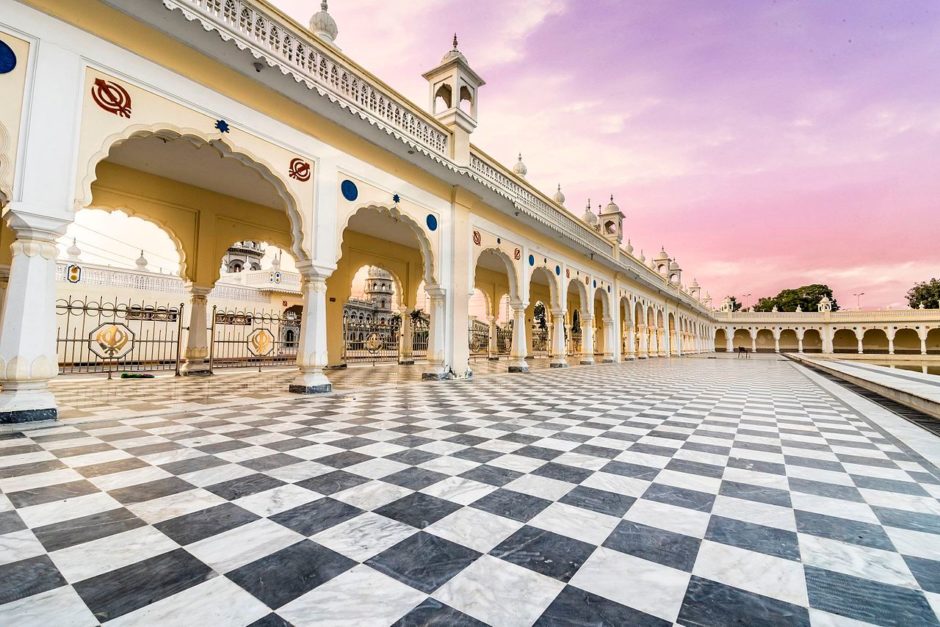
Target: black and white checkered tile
x,y
694,492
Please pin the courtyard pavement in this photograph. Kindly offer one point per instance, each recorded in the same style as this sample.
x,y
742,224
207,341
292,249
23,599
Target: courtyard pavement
x,y
690,491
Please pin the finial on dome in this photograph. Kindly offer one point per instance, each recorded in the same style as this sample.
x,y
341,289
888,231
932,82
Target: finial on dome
x,y
520,168
629,247
589,216
323,25
559,197
141,261
74,252
455,41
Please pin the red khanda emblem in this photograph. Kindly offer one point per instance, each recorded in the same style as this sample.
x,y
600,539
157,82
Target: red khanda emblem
x,y
567,273
477,238
111,97
299,169
517,254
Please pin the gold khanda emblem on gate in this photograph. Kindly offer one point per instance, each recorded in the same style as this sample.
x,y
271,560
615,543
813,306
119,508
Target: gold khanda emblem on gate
x,y
373,343
111,341
260,342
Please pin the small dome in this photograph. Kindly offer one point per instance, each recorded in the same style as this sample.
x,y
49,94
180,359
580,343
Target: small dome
x,y
589,216
520,168
612,206
629,247
674,265
141,262
453,54
276,262
642,256
323,25
663,255
73,251
559,197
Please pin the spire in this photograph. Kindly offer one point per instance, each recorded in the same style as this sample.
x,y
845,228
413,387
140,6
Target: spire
x,y
141,261
520,168
455,37
559,197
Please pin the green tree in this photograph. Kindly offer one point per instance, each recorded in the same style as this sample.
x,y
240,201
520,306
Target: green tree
x,y
926,293
538,312
806,298
735,305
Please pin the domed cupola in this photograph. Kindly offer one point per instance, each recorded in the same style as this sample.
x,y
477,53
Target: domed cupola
x,y
520,168
141,262
611,221
559,197
73,251
323,25
675,272
589,216
661,262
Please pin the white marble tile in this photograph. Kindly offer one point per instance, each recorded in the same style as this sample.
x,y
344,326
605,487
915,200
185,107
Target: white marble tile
x,y
474,528
371,495
49,608
364,536
77,461
19,545
755,512
755,572
519,463
126,478
39,480
643,459
912,503
858,561
360,597
915,543
628,486
276,500
174,505
376,468
81,561
670,517
634,582
315,451
752,477
820,618
58,511
499,593
449,465
575,522
242,545
818,474
827,506
459,490
689,481
217,474
542,487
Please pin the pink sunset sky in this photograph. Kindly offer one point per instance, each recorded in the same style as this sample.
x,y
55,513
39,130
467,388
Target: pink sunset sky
x,y
764,144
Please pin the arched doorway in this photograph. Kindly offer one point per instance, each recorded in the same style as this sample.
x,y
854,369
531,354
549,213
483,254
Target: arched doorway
x,y
789,342
812,341
875,342
844,341
906,342
581,322
544,289
765,341
721,340
495,277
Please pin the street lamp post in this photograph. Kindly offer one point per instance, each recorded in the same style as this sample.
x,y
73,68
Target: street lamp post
x,y
743,300
858,300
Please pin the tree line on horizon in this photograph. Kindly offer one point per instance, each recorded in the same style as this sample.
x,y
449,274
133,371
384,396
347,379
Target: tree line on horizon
x,y
925,294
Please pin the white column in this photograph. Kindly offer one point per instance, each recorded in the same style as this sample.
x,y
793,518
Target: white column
x,y
729,340
311,351
753,341
923,344
587,339
519,343
197,338
678,343
890,333
799,340
406,339
631,341
559,351
776,334
28,358
861,344
437,303
609,343
493,347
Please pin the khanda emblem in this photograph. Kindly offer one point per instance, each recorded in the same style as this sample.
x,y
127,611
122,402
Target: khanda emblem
x,y
260,342
111,341
373,343
111,97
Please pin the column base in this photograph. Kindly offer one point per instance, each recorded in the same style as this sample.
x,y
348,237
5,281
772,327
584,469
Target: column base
x,y
519,368
335,367
586,362
492,359
311,382
27,402
558,364
406,362
609,361
437,373
195,368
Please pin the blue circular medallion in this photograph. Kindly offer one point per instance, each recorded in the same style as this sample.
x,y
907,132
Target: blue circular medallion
x,y
558,270
608,289
595,284
531,260
350,191
431,222
7,58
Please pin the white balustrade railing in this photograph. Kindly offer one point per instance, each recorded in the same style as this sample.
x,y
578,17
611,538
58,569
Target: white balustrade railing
x,y
297,51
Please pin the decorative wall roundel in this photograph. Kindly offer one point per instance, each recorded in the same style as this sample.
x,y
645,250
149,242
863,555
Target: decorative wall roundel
x,y
431,221
349,189
595,284
567,273
557,270
531,260
477,238
7,58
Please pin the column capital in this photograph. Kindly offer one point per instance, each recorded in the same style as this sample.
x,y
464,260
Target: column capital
x,y
518,305
33,223
310,270
198,291
436,292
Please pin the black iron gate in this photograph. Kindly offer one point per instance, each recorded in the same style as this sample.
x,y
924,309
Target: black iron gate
x,y
242,339
111,336
479,339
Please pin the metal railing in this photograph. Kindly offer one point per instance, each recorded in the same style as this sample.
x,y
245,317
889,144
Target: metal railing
x,y
240,338
370,341
110,336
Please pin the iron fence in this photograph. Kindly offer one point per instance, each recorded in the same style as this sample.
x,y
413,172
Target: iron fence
x,y
110,336
420,334
242,338
479,339
574,343
540,342
370,341
503,340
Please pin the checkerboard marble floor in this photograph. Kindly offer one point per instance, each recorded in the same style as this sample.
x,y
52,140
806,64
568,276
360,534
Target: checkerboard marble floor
x,y
693,491
94,397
